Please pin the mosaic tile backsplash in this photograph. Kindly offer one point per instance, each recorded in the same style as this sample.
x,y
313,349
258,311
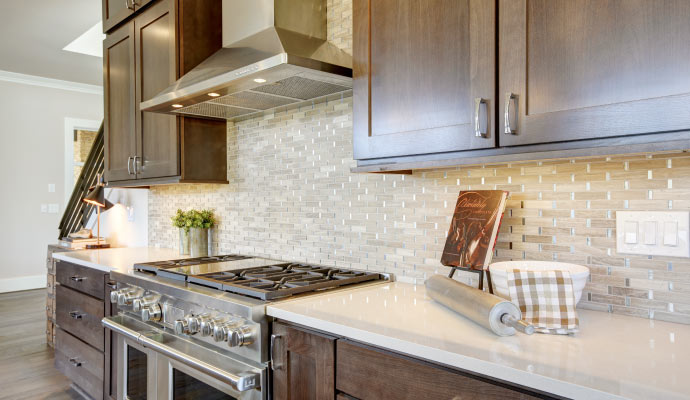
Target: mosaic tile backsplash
x,y
292,197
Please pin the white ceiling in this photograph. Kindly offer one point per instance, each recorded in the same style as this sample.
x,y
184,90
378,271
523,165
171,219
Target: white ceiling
x,y
33,34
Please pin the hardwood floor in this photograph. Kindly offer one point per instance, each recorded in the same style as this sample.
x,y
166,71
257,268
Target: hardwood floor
x,y
26,361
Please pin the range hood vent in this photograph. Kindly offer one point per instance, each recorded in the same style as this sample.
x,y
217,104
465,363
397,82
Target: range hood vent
x,y
275,53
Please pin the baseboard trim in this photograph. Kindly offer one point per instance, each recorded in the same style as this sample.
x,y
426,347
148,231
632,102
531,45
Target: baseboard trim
x,y
22,283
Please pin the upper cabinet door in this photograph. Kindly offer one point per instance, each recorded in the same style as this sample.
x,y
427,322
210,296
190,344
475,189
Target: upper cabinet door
x,y
116,11
582,69
118,82
158,151
424,76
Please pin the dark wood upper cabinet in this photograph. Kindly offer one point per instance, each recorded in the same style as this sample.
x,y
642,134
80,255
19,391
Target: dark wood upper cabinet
x,y
304,364
156,69
424,76
581,69
142,57
116,11
119,100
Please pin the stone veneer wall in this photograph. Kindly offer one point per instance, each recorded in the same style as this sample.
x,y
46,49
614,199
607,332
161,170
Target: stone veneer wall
x,y
292,197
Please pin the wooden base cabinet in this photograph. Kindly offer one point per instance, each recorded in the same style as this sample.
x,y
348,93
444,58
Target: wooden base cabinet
x,y
303,364
141,58
313,365
82,346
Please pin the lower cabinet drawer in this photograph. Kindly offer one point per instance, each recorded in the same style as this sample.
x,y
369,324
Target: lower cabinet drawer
x,y
84,279
79,362
367,373
80,315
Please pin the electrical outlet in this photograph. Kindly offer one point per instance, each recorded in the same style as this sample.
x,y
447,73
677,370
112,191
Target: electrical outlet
x,y
44,208
51,188
53,208
653,233
130,214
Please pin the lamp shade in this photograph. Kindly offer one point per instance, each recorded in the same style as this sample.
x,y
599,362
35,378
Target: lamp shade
x,y
97,198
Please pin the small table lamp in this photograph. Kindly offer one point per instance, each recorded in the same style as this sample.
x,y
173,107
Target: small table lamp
x,y
96,198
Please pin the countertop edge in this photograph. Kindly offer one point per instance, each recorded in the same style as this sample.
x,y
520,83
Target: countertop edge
x,y
486,368
66,257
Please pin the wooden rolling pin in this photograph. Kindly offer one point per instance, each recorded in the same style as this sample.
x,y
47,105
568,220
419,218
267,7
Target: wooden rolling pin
x,y
492,312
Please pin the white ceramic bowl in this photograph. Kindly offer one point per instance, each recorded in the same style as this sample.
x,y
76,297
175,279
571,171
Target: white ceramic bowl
x,y
499,274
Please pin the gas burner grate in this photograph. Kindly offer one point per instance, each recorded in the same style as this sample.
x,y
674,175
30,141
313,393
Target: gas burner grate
x,y
157,267
281,280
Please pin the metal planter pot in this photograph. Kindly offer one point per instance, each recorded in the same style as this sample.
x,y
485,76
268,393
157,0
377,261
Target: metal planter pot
x,y
198,242
184,242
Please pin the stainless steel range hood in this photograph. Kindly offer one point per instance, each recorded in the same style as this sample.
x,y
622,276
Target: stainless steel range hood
x,y
275,53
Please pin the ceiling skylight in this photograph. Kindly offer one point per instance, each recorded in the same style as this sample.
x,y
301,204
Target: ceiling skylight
x,y
90,42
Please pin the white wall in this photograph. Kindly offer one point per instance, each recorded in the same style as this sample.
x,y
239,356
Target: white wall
x,y
32,120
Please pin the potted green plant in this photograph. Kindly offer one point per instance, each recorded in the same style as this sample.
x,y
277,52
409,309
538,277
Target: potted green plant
x,y
183,222
194,231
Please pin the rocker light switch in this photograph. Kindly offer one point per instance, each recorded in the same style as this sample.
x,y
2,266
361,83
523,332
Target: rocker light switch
x,y
631,232
649,232
670,233
653,233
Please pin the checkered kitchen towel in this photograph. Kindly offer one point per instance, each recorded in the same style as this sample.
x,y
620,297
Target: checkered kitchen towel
x,y
546,299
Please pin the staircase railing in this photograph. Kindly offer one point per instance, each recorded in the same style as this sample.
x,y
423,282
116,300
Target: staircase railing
x,y
77,213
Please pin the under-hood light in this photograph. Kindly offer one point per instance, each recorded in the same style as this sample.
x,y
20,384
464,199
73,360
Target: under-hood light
x,y
212,94
177,105
260,80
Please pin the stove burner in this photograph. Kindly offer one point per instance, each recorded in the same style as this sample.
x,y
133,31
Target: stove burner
x,y
281,280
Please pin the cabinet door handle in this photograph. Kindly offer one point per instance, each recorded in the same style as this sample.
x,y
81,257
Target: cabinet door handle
x,y
276,362
508,130
75,362
76,314
477,122
128,6
136,165
77,278
129,167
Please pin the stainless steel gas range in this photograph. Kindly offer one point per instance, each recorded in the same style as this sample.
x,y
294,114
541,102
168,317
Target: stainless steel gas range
x,y
197,328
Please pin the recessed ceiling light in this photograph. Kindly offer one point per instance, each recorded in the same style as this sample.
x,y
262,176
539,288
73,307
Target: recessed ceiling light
x,y
177,105
259,80
214,94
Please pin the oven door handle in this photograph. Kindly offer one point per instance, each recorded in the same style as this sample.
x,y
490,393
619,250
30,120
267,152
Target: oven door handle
x,y
242,382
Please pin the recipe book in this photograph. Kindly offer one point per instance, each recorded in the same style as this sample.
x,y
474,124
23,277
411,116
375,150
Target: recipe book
x,y
473,231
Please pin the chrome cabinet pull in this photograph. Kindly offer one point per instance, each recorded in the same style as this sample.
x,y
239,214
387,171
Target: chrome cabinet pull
x,y
75,362
129,161
508,130
128,6
77,278
76,314
136,165
275,364
477,124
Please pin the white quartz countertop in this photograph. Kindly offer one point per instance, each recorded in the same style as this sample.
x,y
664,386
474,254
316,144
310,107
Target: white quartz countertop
x,y
612,356
120,259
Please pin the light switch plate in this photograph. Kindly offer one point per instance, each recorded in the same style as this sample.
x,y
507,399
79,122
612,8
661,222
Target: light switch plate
x,y
659,233
53,208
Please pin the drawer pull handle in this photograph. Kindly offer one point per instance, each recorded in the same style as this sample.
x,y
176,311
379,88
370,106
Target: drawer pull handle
x,y
276,353
75,362
78,278
76,314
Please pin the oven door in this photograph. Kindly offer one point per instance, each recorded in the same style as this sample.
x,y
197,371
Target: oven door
x,y
154,364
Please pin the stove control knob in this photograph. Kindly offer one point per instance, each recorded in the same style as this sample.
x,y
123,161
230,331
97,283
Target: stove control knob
x,y
221,331
151,313
207,324
181,326
141,303
126,298
242,336
115,294
188,325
